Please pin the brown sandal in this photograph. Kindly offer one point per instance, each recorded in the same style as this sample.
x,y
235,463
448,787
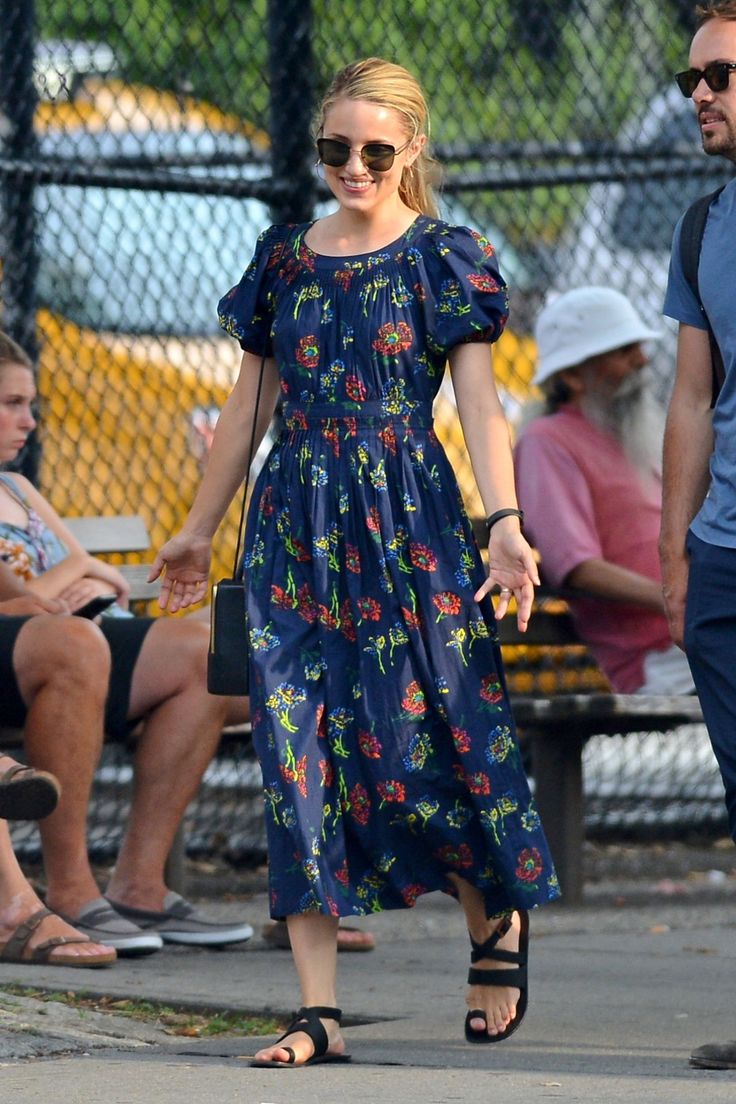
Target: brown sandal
x,y
27,793
17,950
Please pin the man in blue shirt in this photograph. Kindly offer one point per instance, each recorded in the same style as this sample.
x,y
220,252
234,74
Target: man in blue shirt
x,y
698,536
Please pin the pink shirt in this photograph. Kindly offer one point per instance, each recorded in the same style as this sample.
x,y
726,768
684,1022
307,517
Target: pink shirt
x,y
582,500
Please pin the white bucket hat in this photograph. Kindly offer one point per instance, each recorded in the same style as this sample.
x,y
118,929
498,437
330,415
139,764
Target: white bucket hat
x,y
583,323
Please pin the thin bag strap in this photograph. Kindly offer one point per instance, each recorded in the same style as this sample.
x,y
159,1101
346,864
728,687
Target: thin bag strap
x,y
251,448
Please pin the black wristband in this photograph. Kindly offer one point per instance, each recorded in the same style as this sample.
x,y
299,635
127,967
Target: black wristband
x,y
509,512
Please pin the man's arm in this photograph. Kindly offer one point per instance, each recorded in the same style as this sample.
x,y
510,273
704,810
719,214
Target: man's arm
x,y
561,518
688,445
609,580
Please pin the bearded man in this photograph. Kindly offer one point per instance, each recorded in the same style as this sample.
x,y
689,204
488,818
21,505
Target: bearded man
x,y
588,474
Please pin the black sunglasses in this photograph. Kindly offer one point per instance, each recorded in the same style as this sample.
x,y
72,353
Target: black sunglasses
x,y
377,156
716,75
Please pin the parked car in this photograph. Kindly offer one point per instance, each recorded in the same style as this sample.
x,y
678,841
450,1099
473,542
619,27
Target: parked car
x,y
132,362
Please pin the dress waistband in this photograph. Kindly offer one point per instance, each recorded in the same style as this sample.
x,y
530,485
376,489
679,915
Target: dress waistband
x,y
366,413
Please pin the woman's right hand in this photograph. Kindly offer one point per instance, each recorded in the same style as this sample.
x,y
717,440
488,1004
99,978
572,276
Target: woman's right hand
x,y
184,565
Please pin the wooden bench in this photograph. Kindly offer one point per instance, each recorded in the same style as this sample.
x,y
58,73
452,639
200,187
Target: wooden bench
x,y
555,727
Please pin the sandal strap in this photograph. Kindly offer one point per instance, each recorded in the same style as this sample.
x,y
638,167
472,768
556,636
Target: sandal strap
x,y
17,943
11,772
485,949
307,1020
318,1011
516,979
516,958
43,951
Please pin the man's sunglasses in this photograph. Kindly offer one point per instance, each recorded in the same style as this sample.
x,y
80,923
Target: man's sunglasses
x,y
376,156
716,75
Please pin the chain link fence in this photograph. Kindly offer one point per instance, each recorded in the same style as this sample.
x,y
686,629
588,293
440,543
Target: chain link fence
x,y
144,146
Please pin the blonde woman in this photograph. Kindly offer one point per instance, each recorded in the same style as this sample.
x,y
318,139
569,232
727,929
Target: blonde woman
x,y
378,704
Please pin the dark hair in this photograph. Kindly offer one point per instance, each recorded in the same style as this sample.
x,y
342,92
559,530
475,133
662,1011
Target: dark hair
x,y
725,9
556,393
11,353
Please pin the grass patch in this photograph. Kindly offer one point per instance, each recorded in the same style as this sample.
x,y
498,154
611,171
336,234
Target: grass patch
x,y
188,1022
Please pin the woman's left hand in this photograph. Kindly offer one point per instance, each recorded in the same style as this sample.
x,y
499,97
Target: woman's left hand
x,y
511,566
84,590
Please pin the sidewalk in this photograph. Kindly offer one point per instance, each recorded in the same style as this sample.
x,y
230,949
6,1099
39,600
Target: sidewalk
x,y
619,997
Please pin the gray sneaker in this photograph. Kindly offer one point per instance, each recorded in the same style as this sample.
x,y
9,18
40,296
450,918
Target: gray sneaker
x,y
180,922
103,924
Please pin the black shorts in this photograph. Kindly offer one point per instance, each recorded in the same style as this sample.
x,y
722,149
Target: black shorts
x,y
125,636
12,708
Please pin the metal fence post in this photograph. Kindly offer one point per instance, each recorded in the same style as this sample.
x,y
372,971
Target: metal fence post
x,y
291,79
17,215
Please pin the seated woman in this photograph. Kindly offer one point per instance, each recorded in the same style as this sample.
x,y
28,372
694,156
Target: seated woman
x,y
150,671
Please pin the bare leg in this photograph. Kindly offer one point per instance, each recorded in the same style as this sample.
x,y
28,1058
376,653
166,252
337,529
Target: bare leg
x,y
179,738
314,946
62,667
18,902
498,1002
238,710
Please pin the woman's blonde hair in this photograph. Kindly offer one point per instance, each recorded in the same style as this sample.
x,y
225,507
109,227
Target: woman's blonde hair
x,y
389,85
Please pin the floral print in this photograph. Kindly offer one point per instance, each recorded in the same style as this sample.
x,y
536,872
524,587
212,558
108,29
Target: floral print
x,y
379,711
29,550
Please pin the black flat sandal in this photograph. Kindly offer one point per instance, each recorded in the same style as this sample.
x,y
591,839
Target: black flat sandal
x,y
307,1020
516,979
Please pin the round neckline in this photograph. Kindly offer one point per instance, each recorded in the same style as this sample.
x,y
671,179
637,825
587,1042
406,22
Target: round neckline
x,y
333,258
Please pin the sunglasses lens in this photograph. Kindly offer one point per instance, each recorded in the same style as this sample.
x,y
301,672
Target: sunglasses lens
x,y
378,156
716,76
687,81
333,153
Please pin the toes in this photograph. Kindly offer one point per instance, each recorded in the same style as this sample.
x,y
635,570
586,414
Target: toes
x,y
273,1054
497,1014
301,1045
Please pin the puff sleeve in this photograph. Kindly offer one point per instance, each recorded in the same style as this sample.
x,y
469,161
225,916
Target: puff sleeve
x,y
469,300
246,311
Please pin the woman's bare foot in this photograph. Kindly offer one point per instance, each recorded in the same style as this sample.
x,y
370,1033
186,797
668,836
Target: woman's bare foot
x,y
303,1046
497,1002
50,927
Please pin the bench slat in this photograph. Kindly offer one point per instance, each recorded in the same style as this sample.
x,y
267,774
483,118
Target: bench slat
x,y
136,576
126,533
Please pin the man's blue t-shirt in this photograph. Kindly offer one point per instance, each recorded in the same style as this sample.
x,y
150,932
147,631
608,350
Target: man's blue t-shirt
x,y
716,519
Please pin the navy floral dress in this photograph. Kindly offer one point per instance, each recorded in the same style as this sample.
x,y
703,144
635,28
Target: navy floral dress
x,y
380,714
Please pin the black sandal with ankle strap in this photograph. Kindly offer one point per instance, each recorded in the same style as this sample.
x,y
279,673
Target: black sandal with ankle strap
x,y
307,1020
516,979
